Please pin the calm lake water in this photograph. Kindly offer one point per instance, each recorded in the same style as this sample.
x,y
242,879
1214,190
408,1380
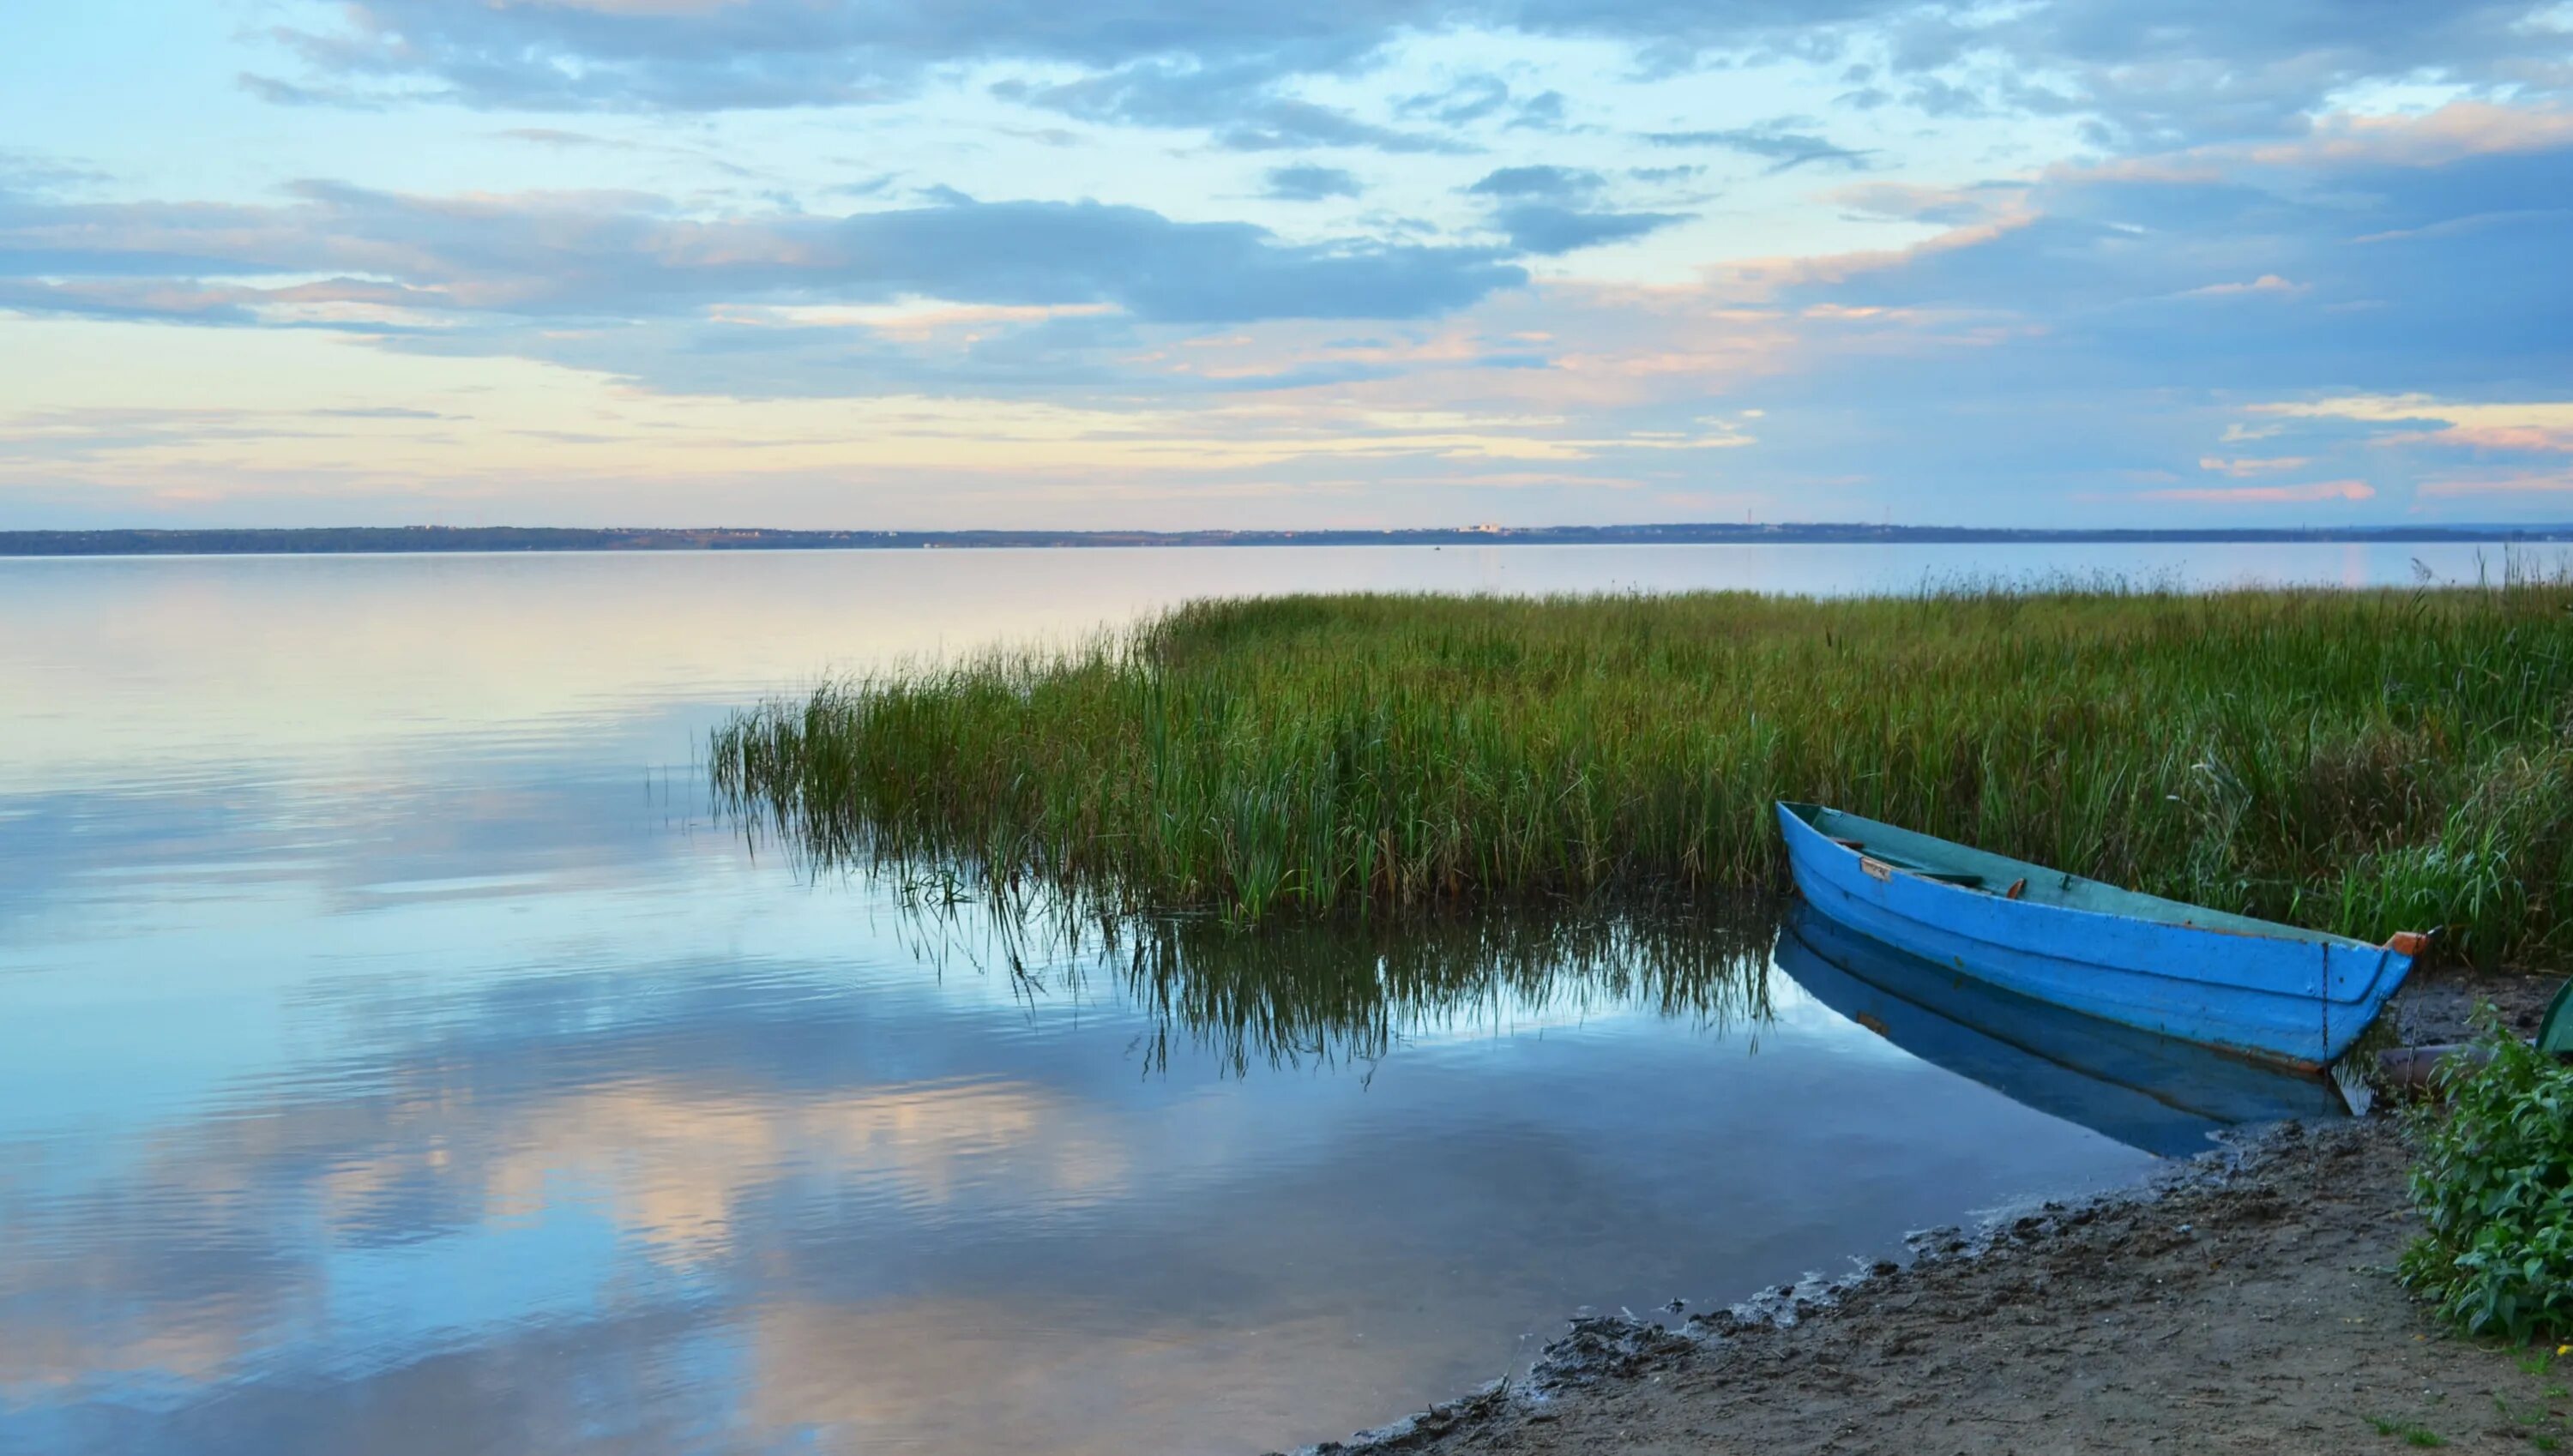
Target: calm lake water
x,y
397,1057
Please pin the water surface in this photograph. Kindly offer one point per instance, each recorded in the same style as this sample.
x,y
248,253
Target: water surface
x,y
395,1055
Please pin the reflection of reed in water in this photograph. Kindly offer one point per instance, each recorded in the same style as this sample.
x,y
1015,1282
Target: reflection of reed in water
x,y
1336,990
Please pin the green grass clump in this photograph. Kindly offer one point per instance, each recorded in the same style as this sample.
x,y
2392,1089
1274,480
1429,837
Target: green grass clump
x,y
2494,1181
2364,761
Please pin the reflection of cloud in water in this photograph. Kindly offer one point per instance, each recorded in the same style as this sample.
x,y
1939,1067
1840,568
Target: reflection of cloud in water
x,y
1027,1386
648,1380
647,1135
207,1272
681,1206
671,1161
476,1105
177,1282
358,843
204,1343
213,1262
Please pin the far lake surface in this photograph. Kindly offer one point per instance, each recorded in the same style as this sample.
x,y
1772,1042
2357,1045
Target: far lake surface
x,y
398,1054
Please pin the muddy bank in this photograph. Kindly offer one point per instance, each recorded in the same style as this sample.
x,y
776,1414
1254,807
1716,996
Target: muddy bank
x,y
2440,1006
2242,1301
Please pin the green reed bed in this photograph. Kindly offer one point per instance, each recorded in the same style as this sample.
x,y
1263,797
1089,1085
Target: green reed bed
x,y
2365,761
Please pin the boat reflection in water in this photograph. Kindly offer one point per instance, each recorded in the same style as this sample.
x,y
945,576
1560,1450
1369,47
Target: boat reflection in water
x,y
2157,1093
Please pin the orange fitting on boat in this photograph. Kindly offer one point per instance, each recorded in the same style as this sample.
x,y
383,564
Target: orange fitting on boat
x,y
2409,943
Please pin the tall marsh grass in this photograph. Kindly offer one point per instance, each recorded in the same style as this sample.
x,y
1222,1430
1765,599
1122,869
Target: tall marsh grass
x,y
2361,761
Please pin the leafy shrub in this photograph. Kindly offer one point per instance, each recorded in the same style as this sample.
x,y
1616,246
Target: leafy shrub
x,y
2494,1178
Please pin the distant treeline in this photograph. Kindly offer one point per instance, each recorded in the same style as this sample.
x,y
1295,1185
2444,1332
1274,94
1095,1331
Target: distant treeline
x,y
382,539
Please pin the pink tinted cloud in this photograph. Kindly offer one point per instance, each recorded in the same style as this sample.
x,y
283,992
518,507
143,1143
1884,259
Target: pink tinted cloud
x,y
2268,494
2452,132
2460,129
2267,283
2505,438
2243,468
2502,485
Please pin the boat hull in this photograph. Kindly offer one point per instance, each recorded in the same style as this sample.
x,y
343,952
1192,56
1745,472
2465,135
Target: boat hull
x,y
2288,998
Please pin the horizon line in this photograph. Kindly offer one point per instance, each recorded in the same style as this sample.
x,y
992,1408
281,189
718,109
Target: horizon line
x,y
402,539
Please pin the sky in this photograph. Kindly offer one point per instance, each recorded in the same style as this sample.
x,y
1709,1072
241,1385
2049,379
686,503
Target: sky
x,y
957,263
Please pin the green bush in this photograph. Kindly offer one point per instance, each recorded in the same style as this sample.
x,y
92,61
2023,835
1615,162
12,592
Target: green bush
x,y
2495,1180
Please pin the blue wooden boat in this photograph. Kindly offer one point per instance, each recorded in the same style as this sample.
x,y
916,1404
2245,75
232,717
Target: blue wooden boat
x,y
2555,1034
2299,998
2158,1093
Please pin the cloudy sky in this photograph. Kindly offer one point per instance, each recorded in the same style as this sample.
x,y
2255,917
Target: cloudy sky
x,y
965,262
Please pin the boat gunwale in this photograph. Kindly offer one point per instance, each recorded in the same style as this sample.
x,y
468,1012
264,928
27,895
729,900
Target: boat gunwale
x,y
2271,931
2353,975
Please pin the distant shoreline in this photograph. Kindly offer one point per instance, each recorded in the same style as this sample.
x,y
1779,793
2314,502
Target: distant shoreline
x,y
385,540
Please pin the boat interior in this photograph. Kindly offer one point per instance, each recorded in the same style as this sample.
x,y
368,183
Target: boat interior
x,y
1936,859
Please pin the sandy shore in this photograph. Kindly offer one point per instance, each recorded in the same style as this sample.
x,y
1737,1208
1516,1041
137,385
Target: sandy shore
x,y
2244,1301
